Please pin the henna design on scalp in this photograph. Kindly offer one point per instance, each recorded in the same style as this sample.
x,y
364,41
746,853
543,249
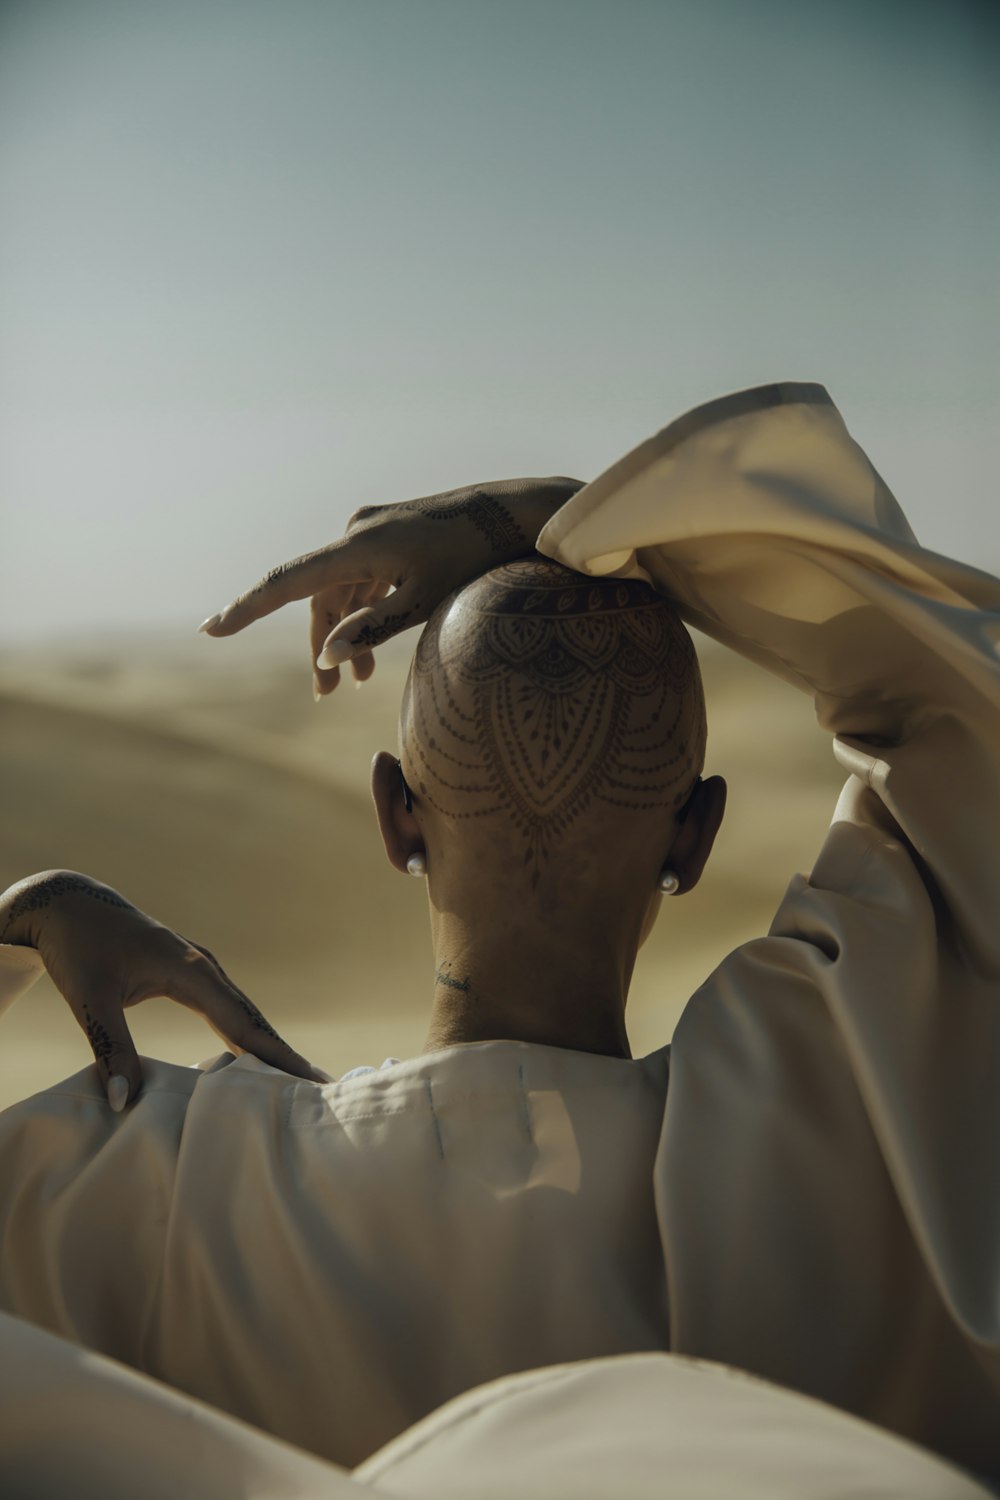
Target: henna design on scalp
x,y
485,512
44,892
546,692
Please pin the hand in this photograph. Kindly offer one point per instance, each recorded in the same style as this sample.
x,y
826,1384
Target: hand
x,y
104,955
395,565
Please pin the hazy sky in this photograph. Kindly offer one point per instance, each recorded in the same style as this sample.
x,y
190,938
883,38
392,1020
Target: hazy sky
x,y
262,263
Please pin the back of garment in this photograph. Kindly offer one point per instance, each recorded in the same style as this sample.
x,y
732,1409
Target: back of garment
x,y
331,1263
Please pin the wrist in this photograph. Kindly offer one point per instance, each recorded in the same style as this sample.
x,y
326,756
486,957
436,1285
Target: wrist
x,y
534,507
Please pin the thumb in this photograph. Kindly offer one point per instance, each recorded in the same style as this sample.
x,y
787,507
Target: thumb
x,y
370,626
114,1051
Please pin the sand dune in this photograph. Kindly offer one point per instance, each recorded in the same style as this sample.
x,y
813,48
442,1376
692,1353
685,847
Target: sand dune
x,y
201,780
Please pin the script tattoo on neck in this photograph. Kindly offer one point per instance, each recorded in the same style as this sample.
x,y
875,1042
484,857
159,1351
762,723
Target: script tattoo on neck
x,y
485,512
556,693
451,983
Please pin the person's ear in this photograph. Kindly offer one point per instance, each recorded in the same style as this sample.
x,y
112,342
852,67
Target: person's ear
x,y
697,825
397,824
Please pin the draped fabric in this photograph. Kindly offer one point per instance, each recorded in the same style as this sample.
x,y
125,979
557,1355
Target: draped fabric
x,y
646,1426
827,1175
332,1263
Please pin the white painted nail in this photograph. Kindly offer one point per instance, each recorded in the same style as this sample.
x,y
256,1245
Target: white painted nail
x,y
210,623
117,1092
333,653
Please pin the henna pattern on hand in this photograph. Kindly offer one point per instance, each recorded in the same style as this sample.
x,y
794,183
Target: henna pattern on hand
x,y
258,1021
277,575
45,892
373,633
98,1037
546,692
485,512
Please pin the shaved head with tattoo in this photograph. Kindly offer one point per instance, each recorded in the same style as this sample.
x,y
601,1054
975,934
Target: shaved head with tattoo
x,y
552,738
547,713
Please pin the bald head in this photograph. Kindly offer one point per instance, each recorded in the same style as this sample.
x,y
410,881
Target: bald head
x,y
550,717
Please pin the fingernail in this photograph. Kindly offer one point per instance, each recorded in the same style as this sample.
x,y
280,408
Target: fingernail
x,y
317,695
333,653
117,1092
357,682
210,623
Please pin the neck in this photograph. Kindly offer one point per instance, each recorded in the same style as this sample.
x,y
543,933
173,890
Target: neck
x,y
511,985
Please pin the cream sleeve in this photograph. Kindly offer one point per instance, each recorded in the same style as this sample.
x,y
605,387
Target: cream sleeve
x,y
766,523
827,1178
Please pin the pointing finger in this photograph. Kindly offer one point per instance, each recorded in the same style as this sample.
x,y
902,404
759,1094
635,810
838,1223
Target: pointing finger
x,y
346,561
234,1017
239,1022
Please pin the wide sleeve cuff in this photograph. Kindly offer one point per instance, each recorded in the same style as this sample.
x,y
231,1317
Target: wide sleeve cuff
x,y
768,526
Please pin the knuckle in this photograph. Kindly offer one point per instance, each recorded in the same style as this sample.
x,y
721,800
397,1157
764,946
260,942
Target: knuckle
x,y
365,513
192,951
195,967
198,964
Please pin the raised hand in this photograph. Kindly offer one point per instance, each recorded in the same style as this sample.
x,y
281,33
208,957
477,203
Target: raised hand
x,y
104,955
395,565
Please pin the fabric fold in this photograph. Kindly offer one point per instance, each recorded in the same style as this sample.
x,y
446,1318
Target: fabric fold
x,y
812,1199
831,1145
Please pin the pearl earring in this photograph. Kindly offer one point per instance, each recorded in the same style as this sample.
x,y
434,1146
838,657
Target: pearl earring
x,y
416,864
669,883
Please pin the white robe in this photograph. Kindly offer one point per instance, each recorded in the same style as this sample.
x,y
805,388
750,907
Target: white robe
x,y
827,1180
813,1196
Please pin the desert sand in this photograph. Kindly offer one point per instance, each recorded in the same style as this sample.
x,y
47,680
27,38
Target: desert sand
x,y
199,779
